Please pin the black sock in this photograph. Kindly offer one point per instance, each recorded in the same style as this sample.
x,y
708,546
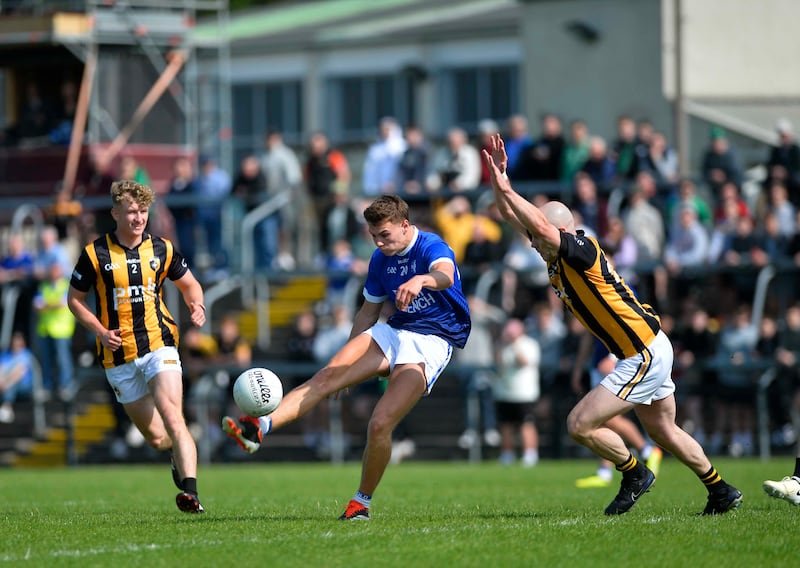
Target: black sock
x,y
629,466
797,467
190,485
712,480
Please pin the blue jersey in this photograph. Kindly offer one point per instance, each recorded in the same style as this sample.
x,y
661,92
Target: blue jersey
x,y
443,313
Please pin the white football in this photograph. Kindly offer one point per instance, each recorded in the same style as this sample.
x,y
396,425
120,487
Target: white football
x,y
257,392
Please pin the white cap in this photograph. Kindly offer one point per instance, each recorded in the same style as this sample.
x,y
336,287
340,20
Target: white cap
x,y
784,126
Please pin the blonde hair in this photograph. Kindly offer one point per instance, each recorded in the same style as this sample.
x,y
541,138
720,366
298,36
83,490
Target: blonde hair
x,y
138,192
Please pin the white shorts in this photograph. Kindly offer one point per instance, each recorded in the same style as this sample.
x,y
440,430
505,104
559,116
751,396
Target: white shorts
x,y
130,380
645,377
400,347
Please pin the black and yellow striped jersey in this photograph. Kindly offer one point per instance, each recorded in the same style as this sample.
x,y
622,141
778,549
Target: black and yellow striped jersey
x,y
128,293
592,290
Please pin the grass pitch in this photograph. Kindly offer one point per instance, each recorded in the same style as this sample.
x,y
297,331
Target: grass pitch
x,y
425,514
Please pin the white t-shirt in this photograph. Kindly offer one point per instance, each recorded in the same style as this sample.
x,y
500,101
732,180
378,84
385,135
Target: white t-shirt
x,y
518,376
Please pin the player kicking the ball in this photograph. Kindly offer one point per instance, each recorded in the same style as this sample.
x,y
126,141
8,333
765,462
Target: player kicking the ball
x,y
416,272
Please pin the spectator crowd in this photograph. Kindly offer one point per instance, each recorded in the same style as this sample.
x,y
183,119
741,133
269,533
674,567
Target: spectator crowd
x,y
691,246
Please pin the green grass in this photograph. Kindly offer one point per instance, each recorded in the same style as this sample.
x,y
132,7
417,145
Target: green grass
x,y
425,514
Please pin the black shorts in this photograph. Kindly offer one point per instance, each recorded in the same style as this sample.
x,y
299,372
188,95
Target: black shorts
x,y
514,412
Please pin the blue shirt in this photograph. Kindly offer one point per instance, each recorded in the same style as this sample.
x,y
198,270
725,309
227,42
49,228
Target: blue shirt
x,y
443,313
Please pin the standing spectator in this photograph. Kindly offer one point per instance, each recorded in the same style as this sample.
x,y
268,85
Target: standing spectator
x,y
517,138
540,160
340,222
16,376
383,157
623,150
720,163
282,171
476,379
734,413
250,185
784,160
55,330
129,168
598,165
456,167
576,152
412,170
50,250
516,390
183,187
327,175
486,128
213,187
16,271
696,345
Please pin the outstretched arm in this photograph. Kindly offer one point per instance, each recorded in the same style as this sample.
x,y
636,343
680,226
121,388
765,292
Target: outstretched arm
x,y
523,215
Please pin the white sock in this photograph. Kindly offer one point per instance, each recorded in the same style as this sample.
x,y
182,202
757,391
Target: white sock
x,y
363,498
604,472
265,422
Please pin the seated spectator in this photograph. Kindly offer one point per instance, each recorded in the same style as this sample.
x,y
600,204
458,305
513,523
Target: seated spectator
x,y
412,169
622,248
592,208
540,160
456,223
16,376
36,117
729,192
644,223
65,114
783,163
686,251
598,166
720,163
687,195
777,203
457,167
661,161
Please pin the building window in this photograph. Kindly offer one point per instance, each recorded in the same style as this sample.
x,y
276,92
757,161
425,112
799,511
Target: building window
x,y
262,106
356,104
471,94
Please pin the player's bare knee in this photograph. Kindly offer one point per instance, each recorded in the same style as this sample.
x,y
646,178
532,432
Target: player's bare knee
x,y
578,428
380,427
324,382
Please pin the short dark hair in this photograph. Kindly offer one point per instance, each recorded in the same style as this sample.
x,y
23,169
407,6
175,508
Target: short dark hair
x,y
386,207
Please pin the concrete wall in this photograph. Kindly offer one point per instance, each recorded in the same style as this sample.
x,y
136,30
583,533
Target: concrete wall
x,y
736,48
620,72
